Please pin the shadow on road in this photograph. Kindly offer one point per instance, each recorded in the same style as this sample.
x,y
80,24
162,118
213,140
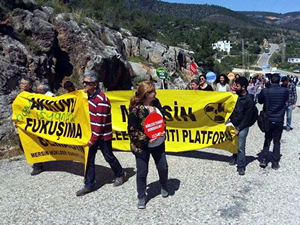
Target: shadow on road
x,y
201,155
104,175
209,156
155,187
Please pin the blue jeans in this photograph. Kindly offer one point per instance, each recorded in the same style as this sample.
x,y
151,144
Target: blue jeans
x,y
106,149
241,156
275,134
289,110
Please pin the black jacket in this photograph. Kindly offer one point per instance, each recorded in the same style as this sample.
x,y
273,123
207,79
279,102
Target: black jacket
x,y
138,138
243,112
277,99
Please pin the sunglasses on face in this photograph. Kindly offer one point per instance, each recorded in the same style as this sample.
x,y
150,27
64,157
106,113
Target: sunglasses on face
x,y
88,82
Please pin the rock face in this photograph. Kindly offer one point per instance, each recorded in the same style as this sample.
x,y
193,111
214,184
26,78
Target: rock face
x,y
49,46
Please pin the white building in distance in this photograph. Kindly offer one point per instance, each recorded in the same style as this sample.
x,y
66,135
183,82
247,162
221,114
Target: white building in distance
x,y
222,46
293,60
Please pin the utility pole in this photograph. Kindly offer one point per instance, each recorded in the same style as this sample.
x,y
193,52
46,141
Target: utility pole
x,y
283,50
243,55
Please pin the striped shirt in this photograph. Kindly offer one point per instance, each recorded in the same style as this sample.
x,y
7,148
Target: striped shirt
x,y
100,116
292,94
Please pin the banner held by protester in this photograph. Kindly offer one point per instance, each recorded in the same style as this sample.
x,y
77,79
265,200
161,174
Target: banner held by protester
x,y
195,119
53,128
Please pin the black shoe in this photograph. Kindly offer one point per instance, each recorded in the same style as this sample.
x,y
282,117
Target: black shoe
x,y
83,191
263,163
36,171
232,161
241,171
275,165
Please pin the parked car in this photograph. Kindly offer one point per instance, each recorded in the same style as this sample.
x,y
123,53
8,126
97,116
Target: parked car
x,y
296,71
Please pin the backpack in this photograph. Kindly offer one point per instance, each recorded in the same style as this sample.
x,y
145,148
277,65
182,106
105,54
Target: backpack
x,y
254,116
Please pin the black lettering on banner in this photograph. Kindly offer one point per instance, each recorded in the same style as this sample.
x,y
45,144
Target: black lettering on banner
x,y
176,111
60,129
209,136
124,112
44,126
36,106
38,154
215,138
190,137
190,114
43,142
197,138
52,130
71,130
168,115
29,123
203,132
185,134
57,106
221,137
36,126
120,135
125,135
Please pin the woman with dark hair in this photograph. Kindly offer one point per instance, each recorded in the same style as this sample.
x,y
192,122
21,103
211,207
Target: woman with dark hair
x,y
141,105
222,83
203,85
233,86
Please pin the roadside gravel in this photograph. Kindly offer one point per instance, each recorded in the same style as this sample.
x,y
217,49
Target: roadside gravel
x,y
204,189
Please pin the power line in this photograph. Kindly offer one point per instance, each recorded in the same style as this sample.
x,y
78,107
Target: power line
x,y
272,6
285,6
255,5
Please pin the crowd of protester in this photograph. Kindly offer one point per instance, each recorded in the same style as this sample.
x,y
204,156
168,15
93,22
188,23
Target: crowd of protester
x,y
276,99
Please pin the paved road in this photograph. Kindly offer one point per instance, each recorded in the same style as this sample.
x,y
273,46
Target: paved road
x,y
264,58
204,189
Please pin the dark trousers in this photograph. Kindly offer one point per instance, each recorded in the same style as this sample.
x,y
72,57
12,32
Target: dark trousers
x,y
275,134
106,149
142,165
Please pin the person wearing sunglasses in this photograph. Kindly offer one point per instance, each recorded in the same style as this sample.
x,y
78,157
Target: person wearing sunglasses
x,y
203,85
100,117
142,104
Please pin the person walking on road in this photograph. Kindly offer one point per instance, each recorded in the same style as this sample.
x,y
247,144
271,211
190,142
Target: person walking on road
x,y
291,102
275,96
141,105
241,119
100,117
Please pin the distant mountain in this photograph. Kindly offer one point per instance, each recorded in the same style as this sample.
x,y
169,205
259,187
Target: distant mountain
x,y
216,14
193,11
288,20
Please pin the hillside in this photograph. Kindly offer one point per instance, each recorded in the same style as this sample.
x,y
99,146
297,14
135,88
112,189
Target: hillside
x,y
203,12
288,20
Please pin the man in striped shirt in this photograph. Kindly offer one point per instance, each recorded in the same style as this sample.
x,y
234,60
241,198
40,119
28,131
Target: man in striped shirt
x,y
100,116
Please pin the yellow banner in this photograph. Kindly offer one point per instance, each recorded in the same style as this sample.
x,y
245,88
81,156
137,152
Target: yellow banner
x,y
195,119
53,128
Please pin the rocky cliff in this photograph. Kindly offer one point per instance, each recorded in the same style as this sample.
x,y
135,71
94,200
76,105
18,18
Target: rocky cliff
x,y
49,46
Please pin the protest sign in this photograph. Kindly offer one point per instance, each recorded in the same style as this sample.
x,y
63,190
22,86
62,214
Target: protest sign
x,y
53,128
195,119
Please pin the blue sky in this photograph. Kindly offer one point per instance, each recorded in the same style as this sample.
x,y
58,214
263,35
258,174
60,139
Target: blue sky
x,y
278,6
